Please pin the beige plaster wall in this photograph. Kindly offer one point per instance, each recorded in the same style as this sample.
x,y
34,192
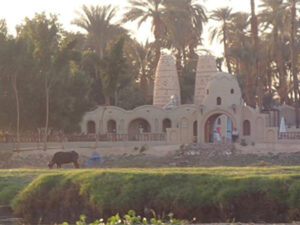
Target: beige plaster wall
x,y
182,117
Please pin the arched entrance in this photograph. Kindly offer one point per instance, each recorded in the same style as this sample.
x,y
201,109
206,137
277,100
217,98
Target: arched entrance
x,y
218,127
166,124
91,127
111,126
137,129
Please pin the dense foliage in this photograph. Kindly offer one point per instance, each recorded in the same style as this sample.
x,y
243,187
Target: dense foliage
x,y
208,194
49,76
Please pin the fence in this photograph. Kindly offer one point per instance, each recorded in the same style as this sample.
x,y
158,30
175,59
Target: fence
x,y
110,137
289,135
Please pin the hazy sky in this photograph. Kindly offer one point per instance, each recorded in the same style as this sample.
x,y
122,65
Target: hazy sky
x,y
14,11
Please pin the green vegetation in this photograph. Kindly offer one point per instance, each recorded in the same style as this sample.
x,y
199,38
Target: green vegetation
x,y
210,194
130,218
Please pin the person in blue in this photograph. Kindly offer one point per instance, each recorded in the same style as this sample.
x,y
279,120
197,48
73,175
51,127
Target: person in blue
x,y
94,161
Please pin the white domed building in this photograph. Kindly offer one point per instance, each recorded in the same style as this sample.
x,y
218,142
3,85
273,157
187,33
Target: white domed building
x,y
218,109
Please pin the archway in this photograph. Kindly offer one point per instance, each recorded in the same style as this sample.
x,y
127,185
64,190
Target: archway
x,y
91,127
218,126
246,128
166,124
111,126
137,128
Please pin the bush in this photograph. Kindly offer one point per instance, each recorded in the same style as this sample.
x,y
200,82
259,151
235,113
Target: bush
x,y
209,194
143,148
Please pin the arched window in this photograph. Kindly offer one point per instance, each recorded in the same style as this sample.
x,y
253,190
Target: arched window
x,y
111,126
207,92
232,91
219,121
91,127
246,128
166,124
195,128
219,101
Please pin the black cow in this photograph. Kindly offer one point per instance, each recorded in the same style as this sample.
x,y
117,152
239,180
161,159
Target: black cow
x,y
64,157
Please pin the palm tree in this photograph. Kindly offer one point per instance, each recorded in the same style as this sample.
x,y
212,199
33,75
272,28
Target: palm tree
x,y
185,19
293,60
143,10
223,15
97,22
142,58
274,17
242,54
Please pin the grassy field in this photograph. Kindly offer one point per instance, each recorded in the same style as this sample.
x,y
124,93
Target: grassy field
x,y
270,194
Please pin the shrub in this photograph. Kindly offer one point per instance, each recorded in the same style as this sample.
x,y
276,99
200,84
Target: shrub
x,y
207,193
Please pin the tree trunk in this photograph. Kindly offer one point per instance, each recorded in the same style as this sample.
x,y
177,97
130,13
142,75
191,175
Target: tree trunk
x,y
14,84
256,75
184,56
293,61
283,89
178,62
226,48
144,83
250,100
47,114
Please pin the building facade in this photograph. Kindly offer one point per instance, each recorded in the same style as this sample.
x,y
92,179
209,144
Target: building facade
x,y
218,109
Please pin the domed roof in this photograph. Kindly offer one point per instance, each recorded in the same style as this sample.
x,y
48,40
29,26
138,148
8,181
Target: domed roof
x,y
225,86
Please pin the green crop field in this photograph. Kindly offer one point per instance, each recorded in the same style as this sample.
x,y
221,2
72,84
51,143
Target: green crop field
x,y
212,194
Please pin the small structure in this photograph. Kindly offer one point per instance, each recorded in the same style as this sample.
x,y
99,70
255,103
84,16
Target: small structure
x,y
94,161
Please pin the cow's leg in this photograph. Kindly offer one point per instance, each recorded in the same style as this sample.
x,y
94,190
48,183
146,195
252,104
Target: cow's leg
x,y
76,164
58,165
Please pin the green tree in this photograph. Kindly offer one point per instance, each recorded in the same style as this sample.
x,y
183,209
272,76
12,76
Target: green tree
x,y
224,16
90,64
142,59
274,18
15,62
50,54
242,55
97,22
113,69
184,19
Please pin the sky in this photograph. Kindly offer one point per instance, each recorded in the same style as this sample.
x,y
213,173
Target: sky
x,y
14,11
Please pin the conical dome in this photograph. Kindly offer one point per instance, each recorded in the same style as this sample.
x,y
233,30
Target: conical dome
x,y
206,68
166,82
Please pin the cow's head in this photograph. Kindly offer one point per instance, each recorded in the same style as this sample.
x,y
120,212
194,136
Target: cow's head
x,y
50,164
